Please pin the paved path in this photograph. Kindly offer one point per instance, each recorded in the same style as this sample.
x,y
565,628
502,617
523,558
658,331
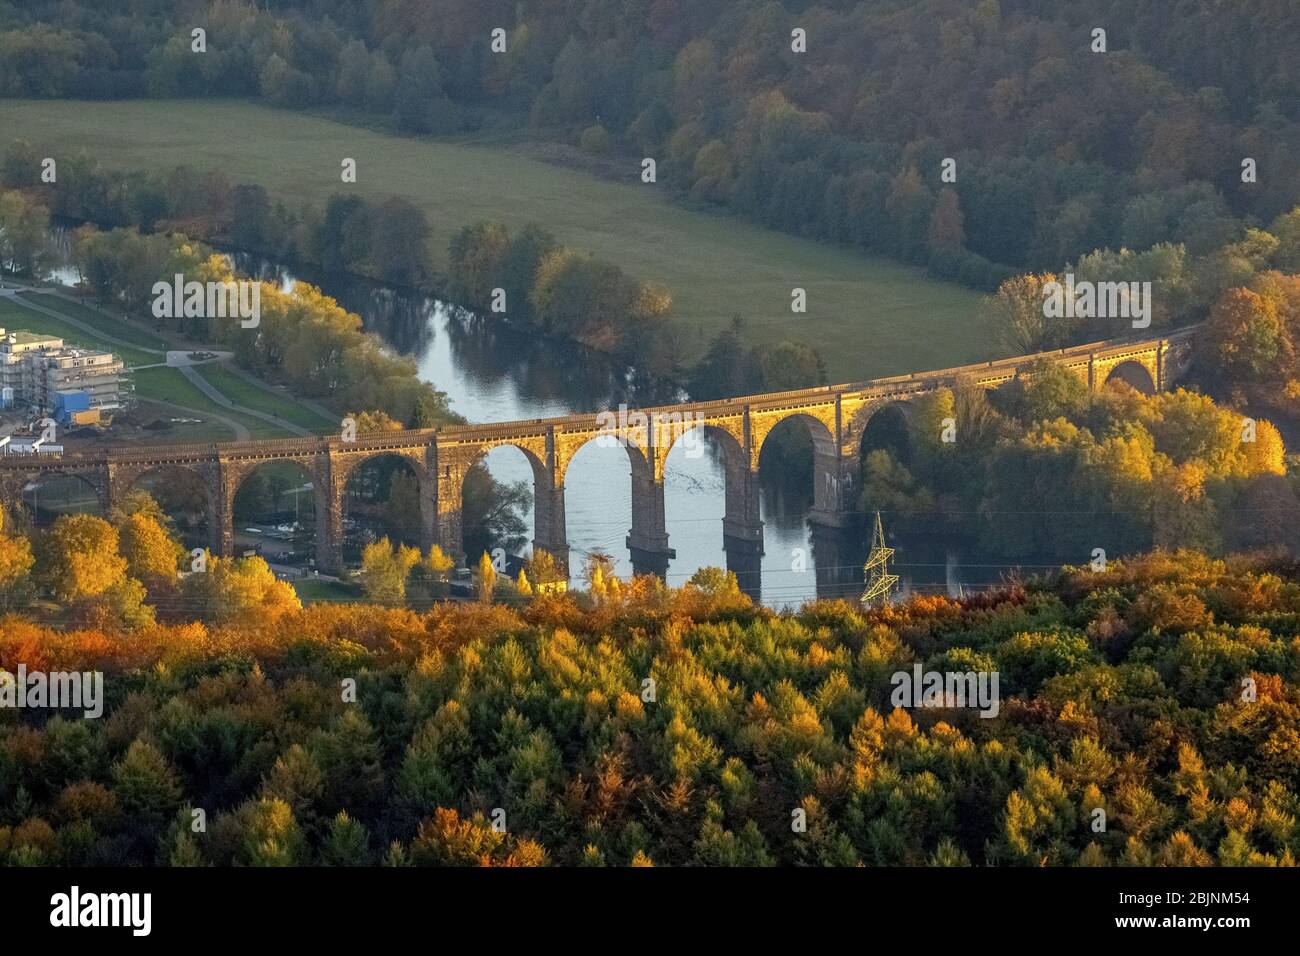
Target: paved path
x,y
13,296
183,346
317,407
177,359
182,349
204,386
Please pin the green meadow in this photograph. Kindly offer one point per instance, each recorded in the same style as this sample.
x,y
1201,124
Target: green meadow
x,y
14,317
169,385
242,392
868,316
157,383
107,324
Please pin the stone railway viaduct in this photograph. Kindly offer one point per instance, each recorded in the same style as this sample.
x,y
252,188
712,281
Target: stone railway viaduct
x,y
834,415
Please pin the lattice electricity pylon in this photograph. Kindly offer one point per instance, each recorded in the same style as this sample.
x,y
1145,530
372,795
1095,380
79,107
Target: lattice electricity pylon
x,y
880,583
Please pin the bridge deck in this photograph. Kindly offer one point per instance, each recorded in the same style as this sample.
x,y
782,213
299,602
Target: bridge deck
x,y
874,389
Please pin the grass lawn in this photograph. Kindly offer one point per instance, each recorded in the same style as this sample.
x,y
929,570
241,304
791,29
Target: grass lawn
x,y
188,434
228,383
315,591
169,385
14,317
105,323
868,316
244,393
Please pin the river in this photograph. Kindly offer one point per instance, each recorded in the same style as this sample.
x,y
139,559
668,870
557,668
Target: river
x,y
491,373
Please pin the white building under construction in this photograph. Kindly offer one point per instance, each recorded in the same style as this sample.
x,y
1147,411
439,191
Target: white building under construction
x,y
40,372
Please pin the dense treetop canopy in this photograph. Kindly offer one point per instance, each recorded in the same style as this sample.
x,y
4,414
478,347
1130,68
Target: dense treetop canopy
x,y
1148,715
1059,150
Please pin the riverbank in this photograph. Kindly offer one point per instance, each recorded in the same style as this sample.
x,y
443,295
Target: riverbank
x,y
214,389
869,317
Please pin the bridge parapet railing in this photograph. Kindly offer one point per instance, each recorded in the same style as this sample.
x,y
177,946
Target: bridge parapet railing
x,y
19,461
532,428
497,431
232,448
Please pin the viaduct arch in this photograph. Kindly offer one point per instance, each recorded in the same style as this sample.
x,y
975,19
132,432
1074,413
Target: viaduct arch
x,y
835,416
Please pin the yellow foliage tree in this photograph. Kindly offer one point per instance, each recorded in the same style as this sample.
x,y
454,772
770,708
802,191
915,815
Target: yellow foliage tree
x,y
151,552
487,578
384,570
598,571
243,589
80,557
375,421
16,562
1266,455
543,569
438,563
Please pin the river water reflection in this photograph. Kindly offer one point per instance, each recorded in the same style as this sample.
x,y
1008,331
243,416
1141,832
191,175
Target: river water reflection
x,y
491,372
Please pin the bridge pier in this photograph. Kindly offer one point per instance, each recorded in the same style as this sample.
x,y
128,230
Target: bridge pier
x,y
834,488
330,485
223,522
741,523
549,533
745,561
428,508
648,539
650,562
449,507
742,528
116,484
